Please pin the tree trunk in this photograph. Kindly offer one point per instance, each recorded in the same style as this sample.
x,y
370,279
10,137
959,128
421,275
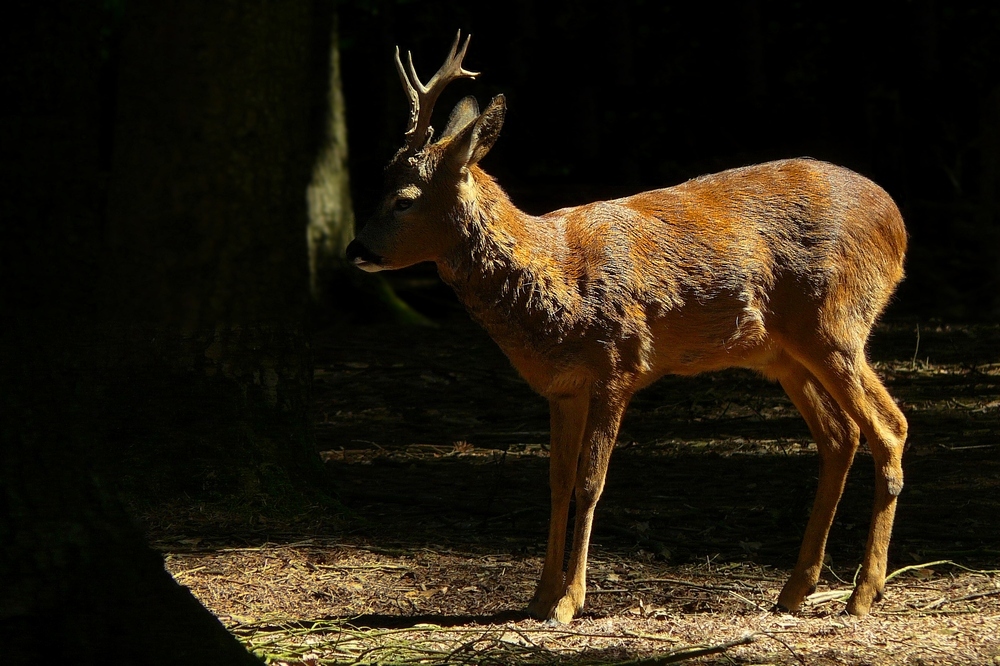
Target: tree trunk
x,y
185,368
197,360
331,212
218,123
216,130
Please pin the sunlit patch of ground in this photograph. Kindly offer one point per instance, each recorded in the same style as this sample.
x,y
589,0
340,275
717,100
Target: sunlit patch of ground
x,y
350,603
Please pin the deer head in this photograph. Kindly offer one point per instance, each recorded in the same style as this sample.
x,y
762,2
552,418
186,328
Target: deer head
x,y
428,183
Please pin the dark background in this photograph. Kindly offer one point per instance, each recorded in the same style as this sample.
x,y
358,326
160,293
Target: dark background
x,y
606,99
154,300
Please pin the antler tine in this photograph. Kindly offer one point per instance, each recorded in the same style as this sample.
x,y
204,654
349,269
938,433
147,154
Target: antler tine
x,y
422,97
450,70
411,92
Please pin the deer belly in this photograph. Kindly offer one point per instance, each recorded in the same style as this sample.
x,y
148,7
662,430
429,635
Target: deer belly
x,y
707,339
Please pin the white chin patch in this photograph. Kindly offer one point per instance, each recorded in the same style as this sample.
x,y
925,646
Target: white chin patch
x,y
368,266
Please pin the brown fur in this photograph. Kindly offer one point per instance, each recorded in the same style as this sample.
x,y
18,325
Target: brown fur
x,y
780,267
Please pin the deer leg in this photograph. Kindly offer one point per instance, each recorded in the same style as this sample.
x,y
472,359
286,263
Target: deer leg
x,y
855,386
889,428
568,418
836,436
598,443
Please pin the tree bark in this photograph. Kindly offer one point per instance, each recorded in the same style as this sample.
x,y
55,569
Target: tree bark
x,y
218,124
185,368
331,211
216,131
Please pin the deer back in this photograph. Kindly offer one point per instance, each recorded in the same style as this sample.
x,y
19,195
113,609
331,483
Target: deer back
x,y
683,279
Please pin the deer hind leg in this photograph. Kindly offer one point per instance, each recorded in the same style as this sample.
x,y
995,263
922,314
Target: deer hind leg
x,y
845,373
598,442
568,420
837,437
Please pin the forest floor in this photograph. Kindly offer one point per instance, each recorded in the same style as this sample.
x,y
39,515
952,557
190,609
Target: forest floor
x,y
439,454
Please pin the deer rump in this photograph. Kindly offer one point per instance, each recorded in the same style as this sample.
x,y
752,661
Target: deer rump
x,y
780,267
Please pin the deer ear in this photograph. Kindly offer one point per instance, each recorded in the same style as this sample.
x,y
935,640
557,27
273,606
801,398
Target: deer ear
x,y
464,113
473,142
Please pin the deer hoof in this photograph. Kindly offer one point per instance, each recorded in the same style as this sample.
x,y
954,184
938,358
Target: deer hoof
x,y
860,603
564,611
540,609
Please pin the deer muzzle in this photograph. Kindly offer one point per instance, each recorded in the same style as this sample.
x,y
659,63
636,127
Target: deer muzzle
x,y
362,257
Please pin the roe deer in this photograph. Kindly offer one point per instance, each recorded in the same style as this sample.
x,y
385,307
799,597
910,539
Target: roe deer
x,y
780,267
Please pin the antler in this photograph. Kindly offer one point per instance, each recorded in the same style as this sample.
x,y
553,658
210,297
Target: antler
x,y
422,97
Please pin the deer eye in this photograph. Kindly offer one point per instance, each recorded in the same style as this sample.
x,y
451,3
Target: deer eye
x,y
403,203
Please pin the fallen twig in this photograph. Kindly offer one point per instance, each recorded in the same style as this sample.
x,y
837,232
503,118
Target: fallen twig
x,y
685,583
676,656
967,597
926,565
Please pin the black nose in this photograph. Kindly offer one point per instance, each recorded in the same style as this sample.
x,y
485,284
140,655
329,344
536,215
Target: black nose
x,y
357,253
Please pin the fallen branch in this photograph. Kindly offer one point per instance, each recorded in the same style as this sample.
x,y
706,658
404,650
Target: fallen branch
x,y
927,565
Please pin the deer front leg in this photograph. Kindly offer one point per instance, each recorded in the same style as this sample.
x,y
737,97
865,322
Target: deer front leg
x,y
568,418
598,443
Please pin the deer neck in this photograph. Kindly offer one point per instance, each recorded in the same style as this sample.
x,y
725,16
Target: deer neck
x,y
506,266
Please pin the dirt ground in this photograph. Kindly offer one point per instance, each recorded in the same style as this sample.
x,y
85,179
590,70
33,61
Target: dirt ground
x,y
439,452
